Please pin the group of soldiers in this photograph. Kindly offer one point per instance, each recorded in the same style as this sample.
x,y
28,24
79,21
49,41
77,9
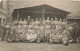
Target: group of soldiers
x,y
48,30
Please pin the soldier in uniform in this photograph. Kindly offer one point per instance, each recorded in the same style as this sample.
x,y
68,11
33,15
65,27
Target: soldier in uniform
x,y
56,21
28,20
32,22
52,23
64,22
41,33
24,22
43,22
47,30
47,21
3,32
65,38
52,34
60,22
20,22
31,36
37,22
7,30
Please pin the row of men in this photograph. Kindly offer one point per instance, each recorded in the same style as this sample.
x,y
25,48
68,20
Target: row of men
x,y
39,21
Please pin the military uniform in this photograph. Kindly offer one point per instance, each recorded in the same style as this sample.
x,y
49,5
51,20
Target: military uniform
x,y
47,32
65,38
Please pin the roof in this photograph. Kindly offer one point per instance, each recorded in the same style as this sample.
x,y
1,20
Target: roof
x,y
40,7
73,17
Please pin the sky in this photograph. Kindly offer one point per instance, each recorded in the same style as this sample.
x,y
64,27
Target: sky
x,y
0,0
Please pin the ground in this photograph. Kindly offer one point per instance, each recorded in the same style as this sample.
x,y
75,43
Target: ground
x,y
5,46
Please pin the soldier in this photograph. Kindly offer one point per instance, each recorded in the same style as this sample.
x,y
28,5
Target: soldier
x,y
47,35
41,33
65,38
47,32
43,22
76,32
64,22
56,21
52,21
52,35
31,36
28,20
37,22
20,22
60,21
32,22
7,30
40,21
3,32
47,21
24,22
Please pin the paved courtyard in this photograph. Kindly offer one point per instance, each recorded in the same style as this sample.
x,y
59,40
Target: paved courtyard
x,y
4,46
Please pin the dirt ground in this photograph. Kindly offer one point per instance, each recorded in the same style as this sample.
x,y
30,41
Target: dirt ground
x,y
5,46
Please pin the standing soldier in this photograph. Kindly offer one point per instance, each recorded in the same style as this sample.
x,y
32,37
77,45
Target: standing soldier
x,y
32,22
3,32
56,21
52,22
60,21
24,22
43,22
28,20
47,21
37,22
20,22
64,22
7,31
47,30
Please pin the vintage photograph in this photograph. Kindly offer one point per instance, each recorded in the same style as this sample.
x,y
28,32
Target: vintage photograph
x,y
39,25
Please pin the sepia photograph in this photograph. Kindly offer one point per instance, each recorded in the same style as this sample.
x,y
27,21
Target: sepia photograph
x,y
39,25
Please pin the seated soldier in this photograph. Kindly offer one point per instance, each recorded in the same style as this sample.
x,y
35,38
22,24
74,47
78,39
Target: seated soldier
x,y
19,26
65,38
41,33
47,26
47,35
52,36
31,37
30,26
29,34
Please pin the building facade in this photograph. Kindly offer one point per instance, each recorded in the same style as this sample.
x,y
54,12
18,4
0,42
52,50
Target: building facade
x,y
40,11
3,12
